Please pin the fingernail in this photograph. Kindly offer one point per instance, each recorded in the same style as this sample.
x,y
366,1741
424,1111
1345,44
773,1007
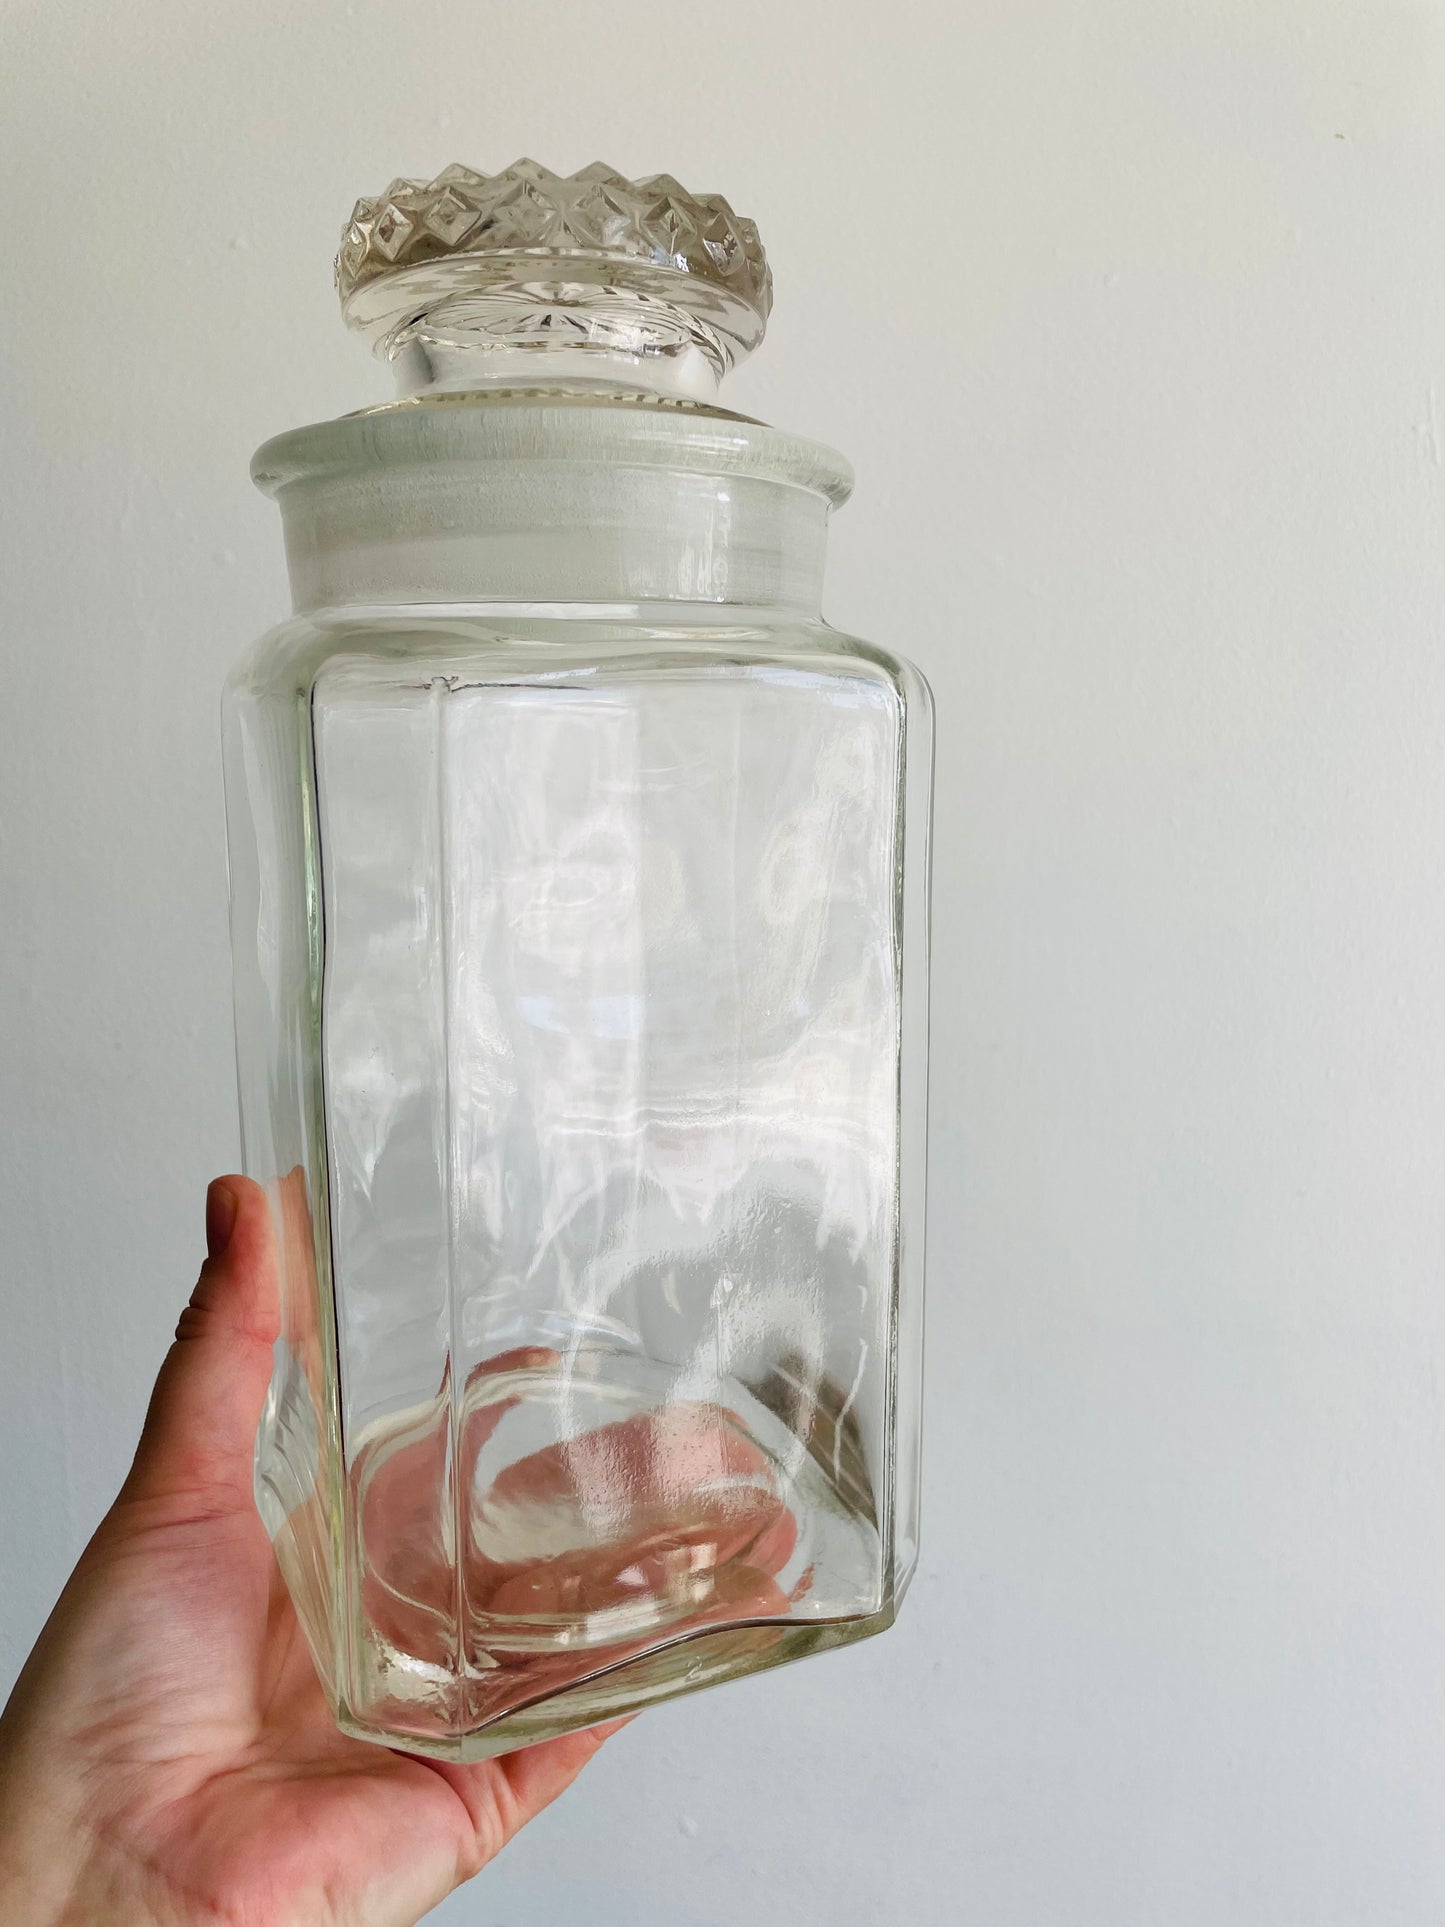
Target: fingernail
x,y
221,1205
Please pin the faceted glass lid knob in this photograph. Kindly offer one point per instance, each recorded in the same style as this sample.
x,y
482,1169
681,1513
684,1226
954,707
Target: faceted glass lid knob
x,y
590,265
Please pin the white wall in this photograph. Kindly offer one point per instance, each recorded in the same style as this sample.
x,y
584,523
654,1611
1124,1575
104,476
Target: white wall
x,y
1132,315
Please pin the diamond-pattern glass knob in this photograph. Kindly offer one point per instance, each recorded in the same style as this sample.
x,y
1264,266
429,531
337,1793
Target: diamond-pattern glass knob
x,y
581,246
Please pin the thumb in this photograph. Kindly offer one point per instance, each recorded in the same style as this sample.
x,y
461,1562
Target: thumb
x,y
200,1429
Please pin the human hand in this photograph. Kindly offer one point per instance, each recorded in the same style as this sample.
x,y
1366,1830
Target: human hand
x,y
167,1756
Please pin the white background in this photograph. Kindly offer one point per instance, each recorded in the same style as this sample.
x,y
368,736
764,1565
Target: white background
x,y
1132,316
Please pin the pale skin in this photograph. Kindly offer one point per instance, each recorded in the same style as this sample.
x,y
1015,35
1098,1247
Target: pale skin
x,y
167,1756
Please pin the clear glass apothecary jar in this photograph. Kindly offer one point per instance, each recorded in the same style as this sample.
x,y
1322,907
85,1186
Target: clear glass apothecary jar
x,y
579,886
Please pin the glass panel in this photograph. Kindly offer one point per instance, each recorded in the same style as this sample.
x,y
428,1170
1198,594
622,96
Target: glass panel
x,y
610,1052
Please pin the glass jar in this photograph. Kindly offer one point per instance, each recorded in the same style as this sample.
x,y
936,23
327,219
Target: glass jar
x,y
579,897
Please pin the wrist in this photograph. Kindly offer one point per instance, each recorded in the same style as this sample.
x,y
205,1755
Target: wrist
x,y
53,1878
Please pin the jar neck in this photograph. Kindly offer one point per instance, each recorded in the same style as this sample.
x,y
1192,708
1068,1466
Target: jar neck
x,y
556,503
682,366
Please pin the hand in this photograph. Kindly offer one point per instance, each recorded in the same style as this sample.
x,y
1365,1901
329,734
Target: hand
x,y
167,1755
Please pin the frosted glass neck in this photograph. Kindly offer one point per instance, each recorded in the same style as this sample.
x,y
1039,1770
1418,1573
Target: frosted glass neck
x,y
498,500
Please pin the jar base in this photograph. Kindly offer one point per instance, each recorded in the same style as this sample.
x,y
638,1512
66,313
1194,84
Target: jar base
x,y
686,1665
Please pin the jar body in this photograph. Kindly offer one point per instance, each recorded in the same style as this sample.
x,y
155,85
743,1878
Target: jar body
x,y
581,1009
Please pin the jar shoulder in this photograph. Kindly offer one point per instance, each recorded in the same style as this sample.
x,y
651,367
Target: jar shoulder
x,y
488,644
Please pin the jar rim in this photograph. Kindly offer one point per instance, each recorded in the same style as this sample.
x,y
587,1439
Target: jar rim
x,y
512,426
